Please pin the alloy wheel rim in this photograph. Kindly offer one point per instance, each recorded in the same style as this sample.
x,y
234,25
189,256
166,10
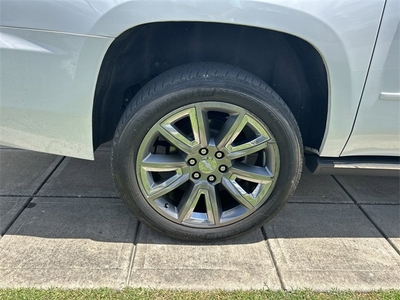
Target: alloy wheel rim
x,y
207,164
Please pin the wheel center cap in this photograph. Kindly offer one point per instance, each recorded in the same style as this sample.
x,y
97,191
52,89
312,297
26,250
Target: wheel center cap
x,y
208,165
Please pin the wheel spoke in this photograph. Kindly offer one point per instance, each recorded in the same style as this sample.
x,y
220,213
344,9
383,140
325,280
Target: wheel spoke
x,y
162,163
199,122
251,173
231,129
168,129
191,198
238,193
213,206
247,148
156,190
176,138
249,200
188,203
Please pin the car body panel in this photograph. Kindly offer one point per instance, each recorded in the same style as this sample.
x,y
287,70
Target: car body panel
x,y
342,31
377,126
46,90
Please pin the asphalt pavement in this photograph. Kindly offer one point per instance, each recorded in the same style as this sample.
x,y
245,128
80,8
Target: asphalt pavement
x,y
63,225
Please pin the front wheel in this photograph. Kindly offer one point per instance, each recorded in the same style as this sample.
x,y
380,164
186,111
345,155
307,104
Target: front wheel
x,y
206,151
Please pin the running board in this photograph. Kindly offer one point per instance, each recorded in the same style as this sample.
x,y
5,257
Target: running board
x,y
369,166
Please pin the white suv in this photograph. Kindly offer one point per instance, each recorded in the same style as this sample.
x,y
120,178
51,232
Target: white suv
x,y
211,105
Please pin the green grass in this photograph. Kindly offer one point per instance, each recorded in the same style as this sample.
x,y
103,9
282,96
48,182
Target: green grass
x,y
140,293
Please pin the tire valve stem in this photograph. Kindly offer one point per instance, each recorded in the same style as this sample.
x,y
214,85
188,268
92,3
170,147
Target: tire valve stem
x,y
166,205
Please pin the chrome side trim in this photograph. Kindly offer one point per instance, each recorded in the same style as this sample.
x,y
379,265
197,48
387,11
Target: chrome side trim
x,y
369,166
390,96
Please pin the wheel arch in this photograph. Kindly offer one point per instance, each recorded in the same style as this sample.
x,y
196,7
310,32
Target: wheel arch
x,y
290,65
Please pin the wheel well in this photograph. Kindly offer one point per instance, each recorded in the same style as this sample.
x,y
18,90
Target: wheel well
x,y
291,66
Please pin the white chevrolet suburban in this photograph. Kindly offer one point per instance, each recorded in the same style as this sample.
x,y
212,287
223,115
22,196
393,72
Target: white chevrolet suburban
x,y
211,104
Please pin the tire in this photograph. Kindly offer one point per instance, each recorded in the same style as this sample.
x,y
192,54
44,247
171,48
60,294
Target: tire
x,y
206,151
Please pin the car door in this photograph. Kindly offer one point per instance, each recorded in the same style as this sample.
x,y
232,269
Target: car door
x,y
377,127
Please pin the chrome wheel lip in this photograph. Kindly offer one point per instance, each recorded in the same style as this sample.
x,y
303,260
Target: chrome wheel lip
x,y
213,216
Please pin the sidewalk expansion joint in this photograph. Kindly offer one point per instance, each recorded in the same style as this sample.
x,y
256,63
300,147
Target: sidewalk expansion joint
x,y
367,216
31,197
15,196
320,202
133,255
278,272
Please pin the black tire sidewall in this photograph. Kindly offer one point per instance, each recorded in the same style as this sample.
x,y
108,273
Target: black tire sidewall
x,y
267,107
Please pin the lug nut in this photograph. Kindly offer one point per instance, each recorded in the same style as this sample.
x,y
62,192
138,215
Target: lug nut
x,y
219,154
211,178
203,151
192,162
196,175
223,168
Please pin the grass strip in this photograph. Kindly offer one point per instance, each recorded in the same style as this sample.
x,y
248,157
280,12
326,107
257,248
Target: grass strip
x,y
143,294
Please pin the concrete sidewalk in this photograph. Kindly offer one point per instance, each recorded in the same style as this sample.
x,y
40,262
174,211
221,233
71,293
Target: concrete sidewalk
x,y
63,225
